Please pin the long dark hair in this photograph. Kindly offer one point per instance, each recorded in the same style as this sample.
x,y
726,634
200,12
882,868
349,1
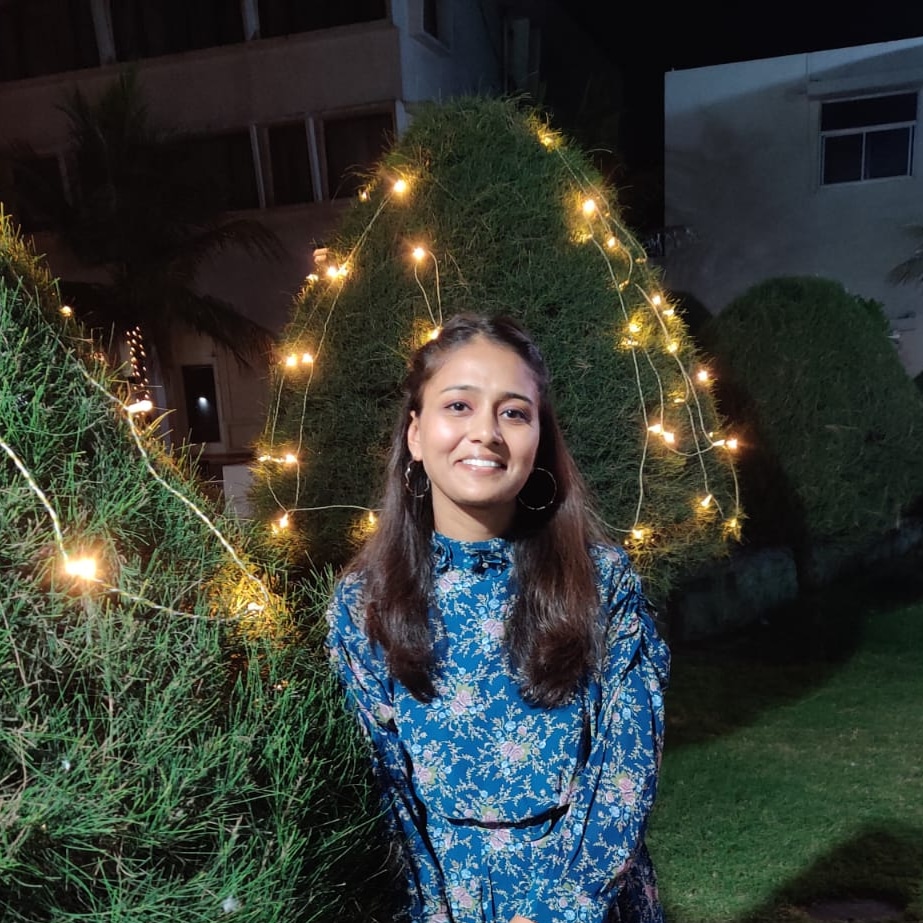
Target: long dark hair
x,y
552,634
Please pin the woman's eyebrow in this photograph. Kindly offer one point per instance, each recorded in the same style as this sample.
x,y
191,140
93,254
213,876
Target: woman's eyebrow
x,y
506,396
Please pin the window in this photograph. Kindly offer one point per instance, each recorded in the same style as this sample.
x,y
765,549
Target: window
x,y
867,138
290,181
147,28
431,17
285,17
45,37
226,160
352,145
201,403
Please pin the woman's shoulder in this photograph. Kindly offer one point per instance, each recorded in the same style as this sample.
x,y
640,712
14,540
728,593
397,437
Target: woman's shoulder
x,y
616,576
611,560
347,601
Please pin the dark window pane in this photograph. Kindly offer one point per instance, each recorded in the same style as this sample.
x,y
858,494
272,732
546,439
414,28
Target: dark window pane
x,y
431,17
887,153
842,159
873,110
225,162
45,37
291,169
147,28
201,403
353,145
285,17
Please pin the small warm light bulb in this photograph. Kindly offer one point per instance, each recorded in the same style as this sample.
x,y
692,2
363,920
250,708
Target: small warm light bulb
x,y
434,333
634,328
313,277
656,301
307,359
265,458
732,523
343,270
547,139
291,361
656,428
290,458
612,243
84,568
67,310
589,207
703,375
372,518
283,521
144,406
418,253
637,534
732,444
705,502
332,272
672,347
363,195
669,312
669,437
400,186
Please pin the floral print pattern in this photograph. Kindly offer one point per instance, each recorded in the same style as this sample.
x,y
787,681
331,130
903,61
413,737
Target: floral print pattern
x,y
505,807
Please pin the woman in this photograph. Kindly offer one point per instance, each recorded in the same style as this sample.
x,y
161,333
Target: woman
x,y
500,655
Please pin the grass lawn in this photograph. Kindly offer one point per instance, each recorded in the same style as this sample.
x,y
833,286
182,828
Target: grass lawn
x,y
793,772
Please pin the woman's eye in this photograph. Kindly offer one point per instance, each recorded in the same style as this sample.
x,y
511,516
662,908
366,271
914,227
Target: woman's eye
x,y
457,406
516,413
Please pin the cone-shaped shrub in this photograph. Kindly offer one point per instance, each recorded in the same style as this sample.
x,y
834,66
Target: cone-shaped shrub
x,y
481,207
169,748
833,425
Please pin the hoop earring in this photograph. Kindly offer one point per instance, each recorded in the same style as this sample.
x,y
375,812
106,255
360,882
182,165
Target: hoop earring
x,y
408,486
554,491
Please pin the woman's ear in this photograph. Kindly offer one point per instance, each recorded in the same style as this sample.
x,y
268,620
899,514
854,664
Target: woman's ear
x,y
413,437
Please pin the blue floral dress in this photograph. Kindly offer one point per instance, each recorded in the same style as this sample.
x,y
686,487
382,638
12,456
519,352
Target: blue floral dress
x,y
505,807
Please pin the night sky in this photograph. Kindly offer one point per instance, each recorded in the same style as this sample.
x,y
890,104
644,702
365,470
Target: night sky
x,y
645,41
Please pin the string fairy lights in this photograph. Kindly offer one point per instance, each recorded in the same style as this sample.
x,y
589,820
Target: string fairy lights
x,y
648,326
85,568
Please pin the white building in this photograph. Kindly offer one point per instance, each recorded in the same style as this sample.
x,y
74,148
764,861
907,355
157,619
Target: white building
x,y
807,164
289,97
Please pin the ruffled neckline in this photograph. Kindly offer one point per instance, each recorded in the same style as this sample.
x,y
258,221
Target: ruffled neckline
x,y
476,557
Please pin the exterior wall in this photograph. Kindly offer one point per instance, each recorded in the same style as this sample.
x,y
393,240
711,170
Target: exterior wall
x,y
463,58
742,177
382,66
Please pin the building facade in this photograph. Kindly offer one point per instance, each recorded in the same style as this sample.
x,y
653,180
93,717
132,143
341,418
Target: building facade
x,y
287,99
806,164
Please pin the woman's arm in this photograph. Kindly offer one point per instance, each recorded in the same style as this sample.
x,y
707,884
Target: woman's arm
x,y
369,690
583,864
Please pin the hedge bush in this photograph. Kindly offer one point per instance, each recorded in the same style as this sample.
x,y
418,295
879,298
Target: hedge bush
x,y
495,199
170,746
831,422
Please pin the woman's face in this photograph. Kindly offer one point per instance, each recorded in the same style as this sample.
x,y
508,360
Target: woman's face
x,y
477,434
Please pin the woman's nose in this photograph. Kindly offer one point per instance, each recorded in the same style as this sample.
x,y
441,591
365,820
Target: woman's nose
x,y
484,428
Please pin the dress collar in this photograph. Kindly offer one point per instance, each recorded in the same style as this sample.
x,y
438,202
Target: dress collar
x,y
477,557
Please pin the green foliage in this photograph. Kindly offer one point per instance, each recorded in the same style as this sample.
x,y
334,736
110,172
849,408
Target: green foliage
x,y
499,213
171,747
145,218
832,424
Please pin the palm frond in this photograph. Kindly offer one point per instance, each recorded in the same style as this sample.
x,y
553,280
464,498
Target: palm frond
x,y
910,271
